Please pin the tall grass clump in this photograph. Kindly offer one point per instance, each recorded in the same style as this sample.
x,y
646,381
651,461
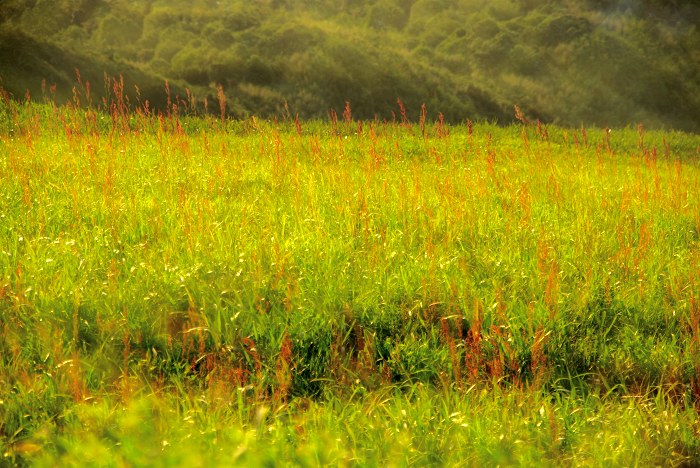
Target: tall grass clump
x,y
187,289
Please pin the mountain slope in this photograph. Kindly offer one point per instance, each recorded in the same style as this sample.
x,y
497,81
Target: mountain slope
x,y
598,62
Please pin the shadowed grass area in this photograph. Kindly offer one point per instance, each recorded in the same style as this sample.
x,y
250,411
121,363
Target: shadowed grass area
x,y
198,290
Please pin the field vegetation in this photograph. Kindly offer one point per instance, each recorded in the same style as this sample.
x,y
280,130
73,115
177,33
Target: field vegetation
x,y
192,289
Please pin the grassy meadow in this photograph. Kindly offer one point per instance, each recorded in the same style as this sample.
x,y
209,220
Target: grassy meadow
x,y
203,291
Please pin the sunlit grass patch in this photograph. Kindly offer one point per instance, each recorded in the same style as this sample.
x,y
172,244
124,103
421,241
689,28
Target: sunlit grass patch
x,y
198,290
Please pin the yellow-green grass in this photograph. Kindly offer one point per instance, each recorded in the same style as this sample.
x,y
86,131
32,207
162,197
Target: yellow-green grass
x,y
191,290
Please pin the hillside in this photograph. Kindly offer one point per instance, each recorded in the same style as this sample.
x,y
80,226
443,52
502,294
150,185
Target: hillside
x,y
599,62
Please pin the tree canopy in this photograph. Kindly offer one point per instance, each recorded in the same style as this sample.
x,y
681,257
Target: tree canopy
x,y
597,62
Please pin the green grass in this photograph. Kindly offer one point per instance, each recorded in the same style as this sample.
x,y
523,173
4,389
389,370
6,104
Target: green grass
x,y
188,290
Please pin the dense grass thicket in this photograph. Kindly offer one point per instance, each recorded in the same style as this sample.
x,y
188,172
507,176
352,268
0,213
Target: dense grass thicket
x,y
590,62
203,290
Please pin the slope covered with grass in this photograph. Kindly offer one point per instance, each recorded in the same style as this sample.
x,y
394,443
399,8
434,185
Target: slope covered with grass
x,y
347,291
604,63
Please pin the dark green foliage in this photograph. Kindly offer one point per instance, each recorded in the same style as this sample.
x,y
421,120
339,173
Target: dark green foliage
x,y
564,29
599,62
312,349
35,66
387,14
